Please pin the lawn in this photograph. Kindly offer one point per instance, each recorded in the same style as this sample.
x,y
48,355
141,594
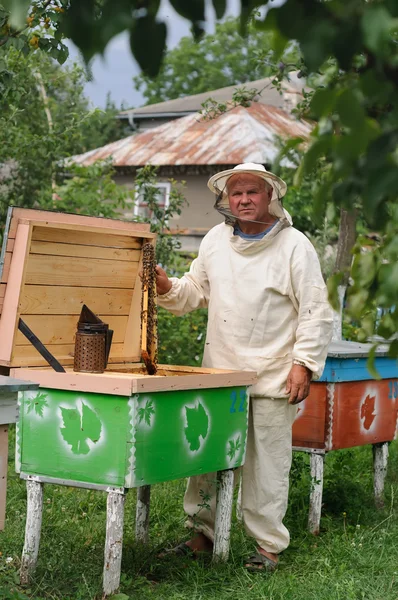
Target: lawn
x,y
354,558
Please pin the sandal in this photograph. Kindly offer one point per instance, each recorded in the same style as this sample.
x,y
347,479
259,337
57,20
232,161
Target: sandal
x,y
260,562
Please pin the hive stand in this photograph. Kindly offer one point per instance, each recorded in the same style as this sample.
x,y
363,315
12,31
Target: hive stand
x,y
114,527
348,408
9,389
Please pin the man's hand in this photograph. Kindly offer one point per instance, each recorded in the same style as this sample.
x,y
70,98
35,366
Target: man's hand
x,y
163,283
298,384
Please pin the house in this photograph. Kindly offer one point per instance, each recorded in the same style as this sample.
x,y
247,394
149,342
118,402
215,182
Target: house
x,y
263,91
191,148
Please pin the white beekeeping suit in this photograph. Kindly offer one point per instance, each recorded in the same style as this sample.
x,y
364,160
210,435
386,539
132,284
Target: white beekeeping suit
x,y
267,309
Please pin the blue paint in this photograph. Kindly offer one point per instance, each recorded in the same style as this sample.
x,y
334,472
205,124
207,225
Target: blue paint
x,y
234,398
354,369
242,395
393,390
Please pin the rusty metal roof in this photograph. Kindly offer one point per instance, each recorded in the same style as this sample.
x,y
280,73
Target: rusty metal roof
x,y
239,135
289,95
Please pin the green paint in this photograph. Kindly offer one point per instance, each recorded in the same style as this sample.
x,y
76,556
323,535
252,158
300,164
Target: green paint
x,y
80,425
145,412
81,437
233,447
38,403
192,432
117,441
197,426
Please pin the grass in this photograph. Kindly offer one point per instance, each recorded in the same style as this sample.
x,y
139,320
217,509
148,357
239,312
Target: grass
x,y
354,558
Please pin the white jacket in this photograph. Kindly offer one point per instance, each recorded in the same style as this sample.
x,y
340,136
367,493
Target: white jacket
x,y
267,304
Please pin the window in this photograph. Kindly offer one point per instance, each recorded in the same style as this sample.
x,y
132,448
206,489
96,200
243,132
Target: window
x,y
141,209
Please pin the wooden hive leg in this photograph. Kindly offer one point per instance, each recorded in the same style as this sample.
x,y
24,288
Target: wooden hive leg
x,y
34,512
3,473
142,513
314,516
222,526
239,514
380,461
113,541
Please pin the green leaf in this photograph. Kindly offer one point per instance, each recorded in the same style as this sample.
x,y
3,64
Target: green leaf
x,y
119,597
220,6
333,285
350,109
319,148
63,54
393,349
386,327
194,10
148,55
356,302
370,363
376,26
322,102
18,11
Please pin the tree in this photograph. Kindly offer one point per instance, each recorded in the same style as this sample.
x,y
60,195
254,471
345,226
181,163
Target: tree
x,y
349,49
217,60
44,117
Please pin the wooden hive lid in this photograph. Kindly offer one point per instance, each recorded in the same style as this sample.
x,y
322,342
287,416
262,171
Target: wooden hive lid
x,y
53,263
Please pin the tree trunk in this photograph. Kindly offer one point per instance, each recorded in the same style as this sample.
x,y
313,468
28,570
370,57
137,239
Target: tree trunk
x,y
347,237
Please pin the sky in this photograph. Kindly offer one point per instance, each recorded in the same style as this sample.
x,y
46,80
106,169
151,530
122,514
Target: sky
x,y
113,72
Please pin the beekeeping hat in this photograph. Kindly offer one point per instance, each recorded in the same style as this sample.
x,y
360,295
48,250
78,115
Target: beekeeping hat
x,y
218,184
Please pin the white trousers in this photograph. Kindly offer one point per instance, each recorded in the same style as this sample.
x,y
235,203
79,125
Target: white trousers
x,y
265,478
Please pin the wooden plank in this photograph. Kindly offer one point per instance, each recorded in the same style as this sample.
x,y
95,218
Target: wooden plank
x,y
3,473
73,271
27,356
61,249
56,300
61,329
114,383
193,382
2,290
108,231
9,315
75,220
132,340
65,236
83,382
6,267
10,245
188,369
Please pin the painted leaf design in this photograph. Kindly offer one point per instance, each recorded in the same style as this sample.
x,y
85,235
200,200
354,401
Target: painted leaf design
x,y
197,426
79,427
37,404
368,411
234,447
145,412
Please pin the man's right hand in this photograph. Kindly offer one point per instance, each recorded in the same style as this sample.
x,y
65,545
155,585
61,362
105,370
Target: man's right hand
x,y
163,283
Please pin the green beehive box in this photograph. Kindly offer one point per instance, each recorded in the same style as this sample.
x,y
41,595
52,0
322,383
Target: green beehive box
x,y
122,428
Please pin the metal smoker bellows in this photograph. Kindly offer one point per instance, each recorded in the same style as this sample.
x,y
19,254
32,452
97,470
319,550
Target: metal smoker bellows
x,y
92,344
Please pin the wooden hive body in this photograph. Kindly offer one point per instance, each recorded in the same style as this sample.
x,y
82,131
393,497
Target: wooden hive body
x,y
53,263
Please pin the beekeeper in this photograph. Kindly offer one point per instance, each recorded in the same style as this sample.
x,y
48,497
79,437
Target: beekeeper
x,y
267,311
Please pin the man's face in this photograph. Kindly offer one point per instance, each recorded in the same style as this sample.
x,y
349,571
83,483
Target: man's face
x,y
249,197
